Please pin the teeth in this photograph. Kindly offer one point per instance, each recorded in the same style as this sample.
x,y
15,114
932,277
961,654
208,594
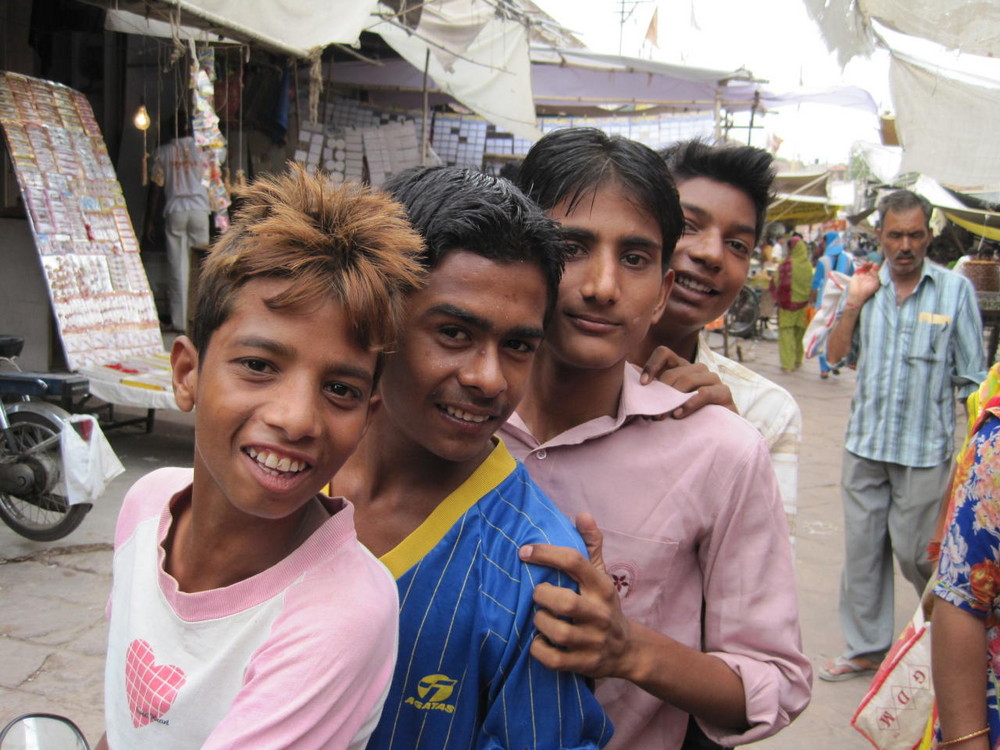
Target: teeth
x,y
694,285
464,415
273,461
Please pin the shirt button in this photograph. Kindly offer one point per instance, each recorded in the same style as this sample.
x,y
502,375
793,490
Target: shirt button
x,y
540,455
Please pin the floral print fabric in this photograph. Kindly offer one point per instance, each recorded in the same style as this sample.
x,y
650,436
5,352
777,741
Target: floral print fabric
x,y
969,567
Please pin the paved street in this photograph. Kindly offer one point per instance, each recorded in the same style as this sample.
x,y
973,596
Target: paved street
x,y
52,629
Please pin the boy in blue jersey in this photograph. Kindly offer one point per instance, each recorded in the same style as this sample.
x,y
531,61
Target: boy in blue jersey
x,y
442,502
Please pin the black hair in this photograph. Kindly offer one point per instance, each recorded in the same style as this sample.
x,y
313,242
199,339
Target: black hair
x,y
900,201
460,209
747,168
573,163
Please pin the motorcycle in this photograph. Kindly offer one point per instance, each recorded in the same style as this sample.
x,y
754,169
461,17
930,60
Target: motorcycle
x,y
33,499
42,732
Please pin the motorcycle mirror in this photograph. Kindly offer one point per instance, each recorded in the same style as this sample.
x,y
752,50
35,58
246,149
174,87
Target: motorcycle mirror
x,y
42,732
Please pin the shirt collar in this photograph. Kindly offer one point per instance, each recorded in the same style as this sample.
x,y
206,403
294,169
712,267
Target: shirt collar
x,y
652,400
636,400
885,278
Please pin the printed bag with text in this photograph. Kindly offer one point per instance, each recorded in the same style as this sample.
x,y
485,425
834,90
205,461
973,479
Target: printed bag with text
x,y
814,339
898,711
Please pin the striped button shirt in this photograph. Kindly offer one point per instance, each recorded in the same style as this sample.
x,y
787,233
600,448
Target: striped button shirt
x,y
911,358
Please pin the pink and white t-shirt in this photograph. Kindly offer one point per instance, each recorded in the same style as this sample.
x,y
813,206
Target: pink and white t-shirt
x,y
299,656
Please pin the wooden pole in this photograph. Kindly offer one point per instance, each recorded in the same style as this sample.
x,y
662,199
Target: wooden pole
x,y
425,138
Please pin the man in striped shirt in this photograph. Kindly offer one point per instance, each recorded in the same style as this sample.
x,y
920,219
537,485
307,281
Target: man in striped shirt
x,y
918,333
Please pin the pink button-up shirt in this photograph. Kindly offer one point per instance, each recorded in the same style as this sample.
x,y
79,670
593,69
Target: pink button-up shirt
x,y
690,511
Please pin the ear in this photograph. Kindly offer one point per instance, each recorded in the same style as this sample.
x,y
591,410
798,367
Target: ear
x,y
374,404
661,303
184,367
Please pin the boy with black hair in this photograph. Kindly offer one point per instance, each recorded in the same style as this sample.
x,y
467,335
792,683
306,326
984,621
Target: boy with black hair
x,y
724,193
244,612
689,607
442,501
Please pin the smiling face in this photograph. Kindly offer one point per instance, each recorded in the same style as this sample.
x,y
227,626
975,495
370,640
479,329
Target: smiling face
x,y
465,354
712,257
905,238
282,400
613,286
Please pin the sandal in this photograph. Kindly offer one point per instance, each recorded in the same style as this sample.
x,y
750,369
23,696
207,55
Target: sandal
x,y
841,669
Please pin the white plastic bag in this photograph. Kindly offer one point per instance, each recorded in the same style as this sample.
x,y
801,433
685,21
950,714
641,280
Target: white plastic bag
x,y
814,339
898,711
89,461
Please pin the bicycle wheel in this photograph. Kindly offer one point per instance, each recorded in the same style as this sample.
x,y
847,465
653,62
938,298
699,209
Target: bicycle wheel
x,y
43,514
741,318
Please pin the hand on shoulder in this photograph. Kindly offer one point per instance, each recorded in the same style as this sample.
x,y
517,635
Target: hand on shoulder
x,y
672,369
584,632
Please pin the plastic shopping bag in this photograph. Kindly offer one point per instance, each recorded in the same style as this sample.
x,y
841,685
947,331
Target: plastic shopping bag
x,y
814,339
89,461
898,711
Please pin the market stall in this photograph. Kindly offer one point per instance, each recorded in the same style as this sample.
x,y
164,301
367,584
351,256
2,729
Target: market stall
x,y
87,250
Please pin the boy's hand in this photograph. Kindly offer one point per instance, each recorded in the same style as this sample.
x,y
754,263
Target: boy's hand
x,y
670,368
584,632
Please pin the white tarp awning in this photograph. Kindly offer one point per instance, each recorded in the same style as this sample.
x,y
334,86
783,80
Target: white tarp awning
x,y
947,125
295,26
970,26
577,77
979,222
480,61
126,22
944,77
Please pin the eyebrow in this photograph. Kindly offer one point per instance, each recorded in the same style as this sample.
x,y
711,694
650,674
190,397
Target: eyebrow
x,y
632,240
481,323
702,213
279,349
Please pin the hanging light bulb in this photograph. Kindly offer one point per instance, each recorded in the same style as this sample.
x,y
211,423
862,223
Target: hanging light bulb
x,y
141,119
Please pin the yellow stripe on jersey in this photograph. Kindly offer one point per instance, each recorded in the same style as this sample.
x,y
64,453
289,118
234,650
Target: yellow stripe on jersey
x,y
491,472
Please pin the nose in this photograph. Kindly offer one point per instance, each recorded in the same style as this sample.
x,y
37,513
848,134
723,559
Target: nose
x,y
601,280
706,248
483,372
294,410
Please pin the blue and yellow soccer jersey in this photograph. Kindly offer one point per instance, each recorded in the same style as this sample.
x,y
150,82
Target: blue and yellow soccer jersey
x,y
464,677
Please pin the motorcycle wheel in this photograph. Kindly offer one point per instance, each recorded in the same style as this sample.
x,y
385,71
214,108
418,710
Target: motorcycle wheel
x,y
741,318
45,515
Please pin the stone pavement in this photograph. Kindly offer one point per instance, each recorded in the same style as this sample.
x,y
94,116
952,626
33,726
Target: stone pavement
x,y
52,629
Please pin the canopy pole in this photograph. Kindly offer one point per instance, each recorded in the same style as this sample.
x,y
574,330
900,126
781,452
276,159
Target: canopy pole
x,y
717,114
425,139
753,111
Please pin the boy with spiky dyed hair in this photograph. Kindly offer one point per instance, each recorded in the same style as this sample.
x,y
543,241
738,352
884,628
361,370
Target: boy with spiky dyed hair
x,y
244,611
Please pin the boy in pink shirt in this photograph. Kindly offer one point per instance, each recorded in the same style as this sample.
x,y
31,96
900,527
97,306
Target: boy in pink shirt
x,y
244,612
690,607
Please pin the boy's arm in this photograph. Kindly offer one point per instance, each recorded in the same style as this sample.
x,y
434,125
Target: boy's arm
x,y
598,640
321,677
751,622
530,704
